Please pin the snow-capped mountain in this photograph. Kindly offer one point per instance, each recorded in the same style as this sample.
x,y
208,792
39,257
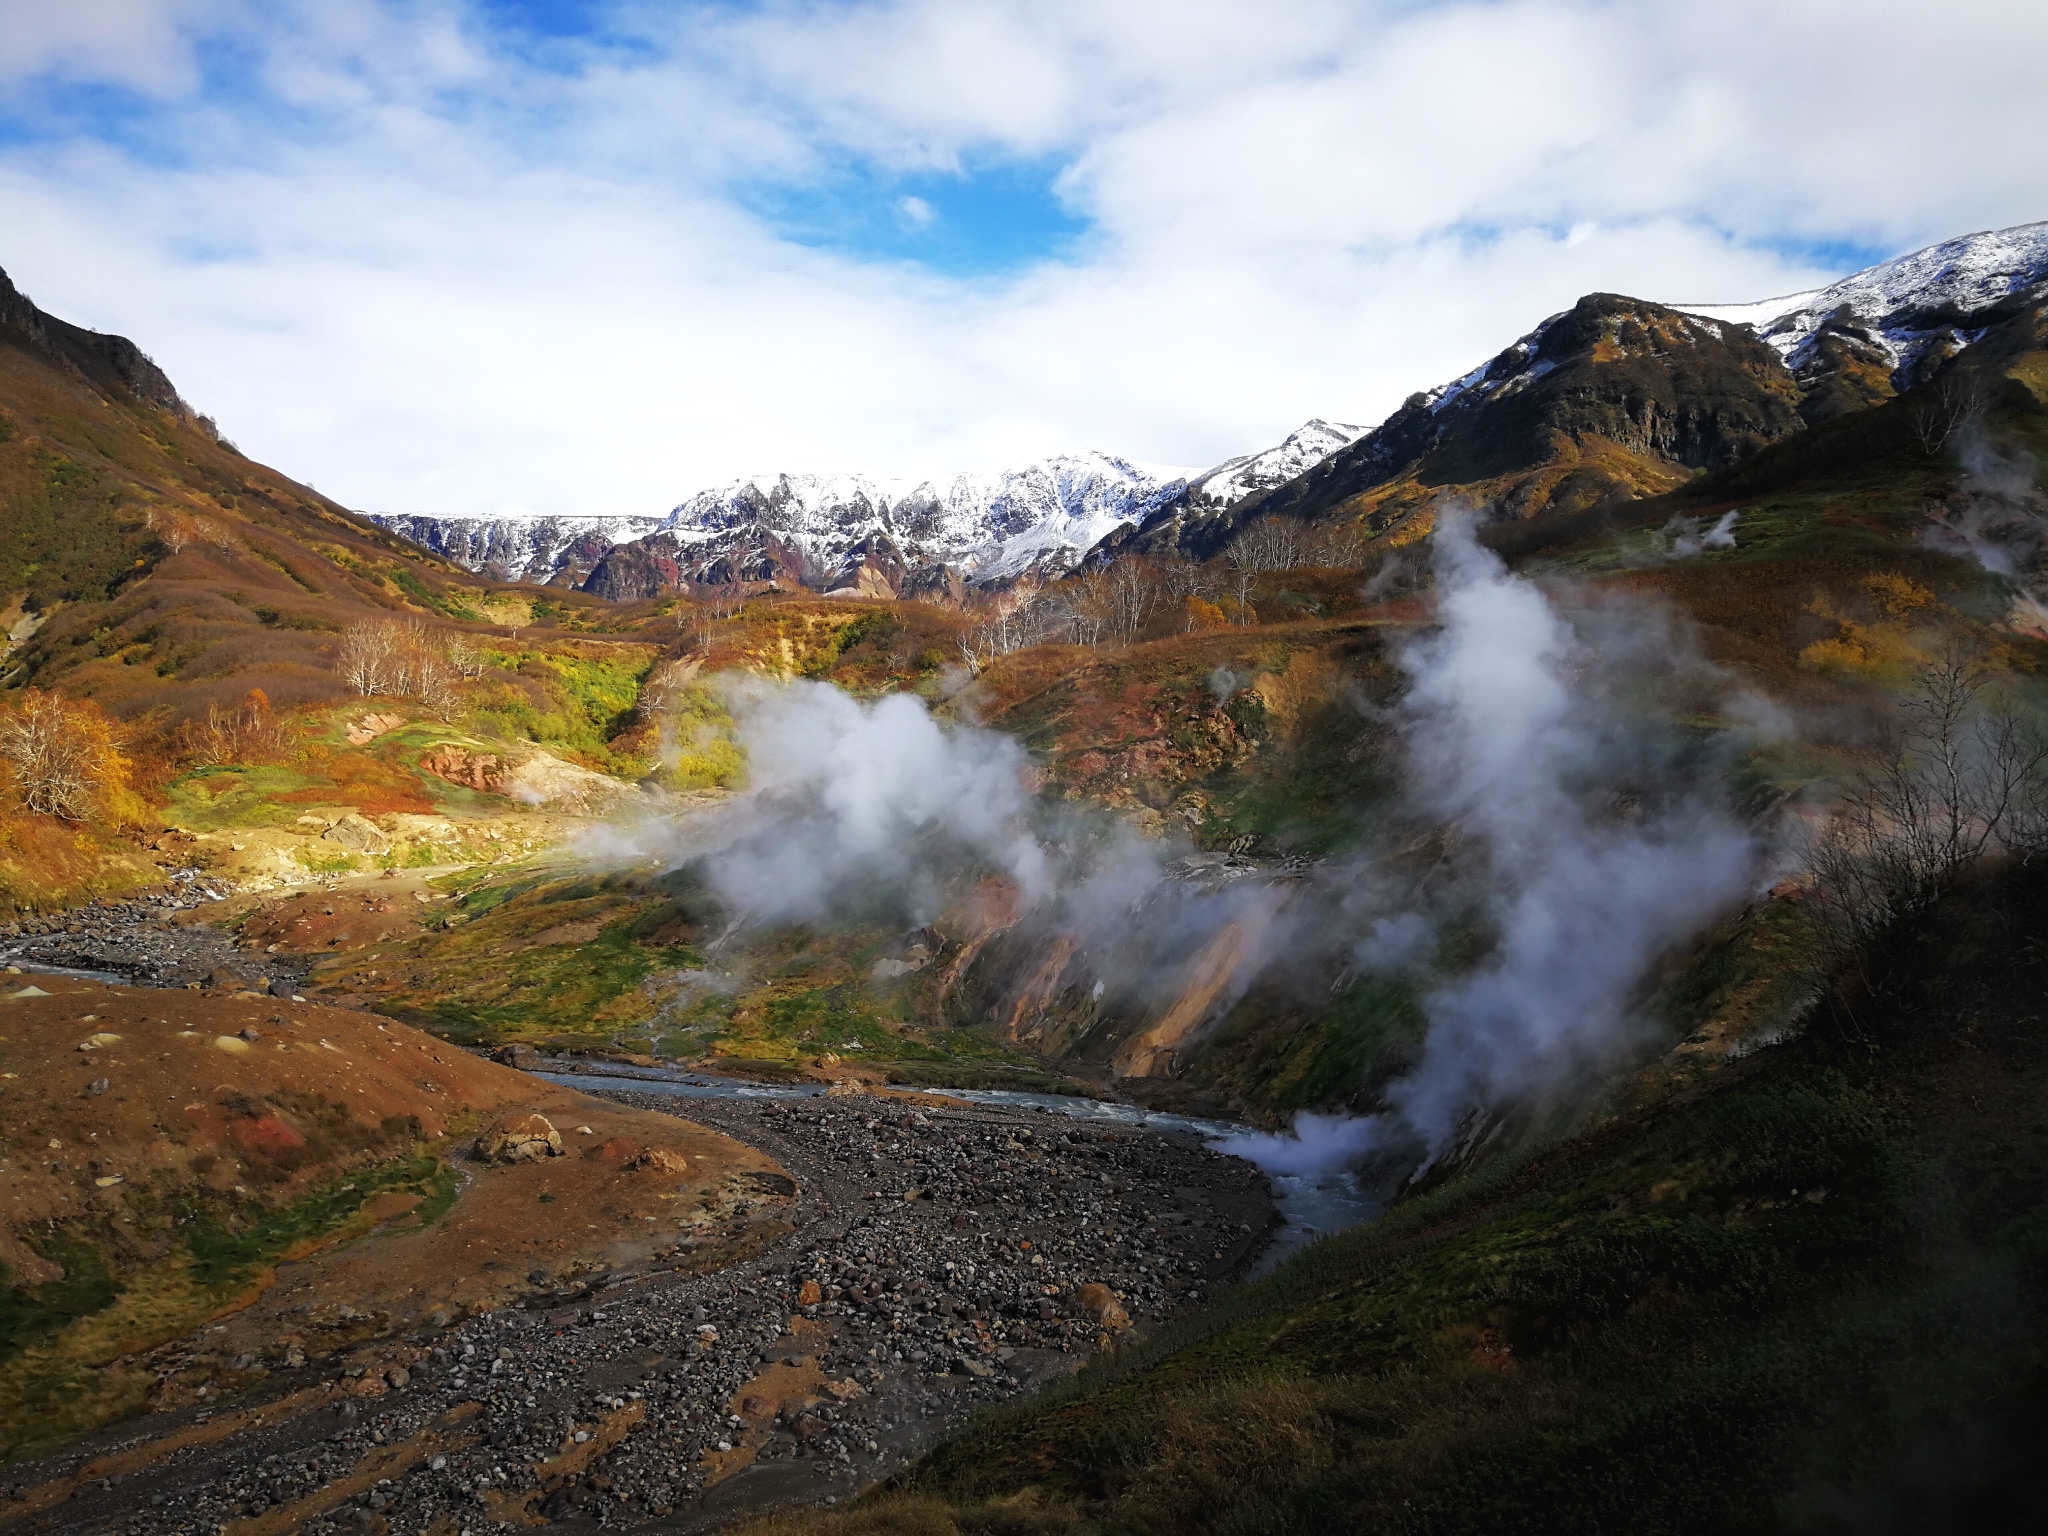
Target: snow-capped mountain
x,y
521,546
992,525
1043,517
1253,474
1912,303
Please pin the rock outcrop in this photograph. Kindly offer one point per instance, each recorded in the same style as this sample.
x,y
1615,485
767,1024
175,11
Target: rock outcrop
x,y
519,1139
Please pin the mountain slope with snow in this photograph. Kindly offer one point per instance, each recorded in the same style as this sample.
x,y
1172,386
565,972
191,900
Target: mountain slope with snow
x,y
1914,306
1253,474
992,525
1619,396
521,546
820,529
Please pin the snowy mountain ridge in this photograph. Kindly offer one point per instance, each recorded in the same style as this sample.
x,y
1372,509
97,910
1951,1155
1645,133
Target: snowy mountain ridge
x,y
520,546
1253,474
990,525
1909,303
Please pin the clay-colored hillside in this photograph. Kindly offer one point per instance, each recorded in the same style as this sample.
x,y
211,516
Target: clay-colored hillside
x,y
174,1159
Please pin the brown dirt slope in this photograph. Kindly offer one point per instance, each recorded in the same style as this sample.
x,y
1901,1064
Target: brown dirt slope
x,y
177,1158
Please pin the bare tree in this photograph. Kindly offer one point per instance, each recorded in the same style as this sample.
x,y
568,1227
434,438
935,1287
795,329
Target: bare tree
x,y
1339,546
1268,544
468,658
1131,593
1941,409
1955,781
250,732
407,659
366,660
1244,577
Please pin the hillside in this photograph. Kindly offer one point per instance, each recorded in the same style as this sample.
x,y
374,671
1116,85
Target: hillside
x,y
1800,1291
170,1153
148,565
1485,858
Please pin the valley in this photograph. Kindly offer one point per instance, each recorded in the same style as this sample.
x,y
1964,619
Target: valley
x,y
1594,817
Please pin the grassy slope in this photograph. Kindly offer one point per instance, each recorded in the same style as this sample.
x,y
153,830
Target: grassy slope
x,y
1808,1290
155,570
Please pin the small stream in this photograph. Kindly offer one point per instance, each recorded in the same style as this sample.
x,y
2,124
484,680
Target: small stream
x,y
1311,1206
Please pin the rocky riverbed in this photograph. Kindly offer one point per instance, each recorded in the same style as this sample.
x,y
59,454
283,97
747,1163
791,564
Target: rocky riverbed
x,y
944,1257
154,940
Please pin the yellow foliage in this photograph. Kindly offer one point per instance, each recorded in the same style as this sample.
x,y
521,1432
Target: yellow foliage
x,y
1887,648
1203,614
1833,656
61,758
1894,595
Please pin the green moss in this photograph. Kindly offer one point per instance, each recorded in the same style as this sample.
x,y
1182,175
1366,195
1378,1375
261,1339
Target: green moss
x,y
220,799
32,1315
228,1244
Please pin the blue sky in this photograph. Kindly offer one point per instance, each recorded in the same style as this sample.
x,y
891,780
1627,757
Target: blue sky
x,y
467,255
978,220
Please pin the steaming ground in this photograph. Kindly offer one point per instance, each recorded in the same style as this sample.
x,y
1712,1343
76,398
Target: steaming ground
x,y
1600,846
1582,838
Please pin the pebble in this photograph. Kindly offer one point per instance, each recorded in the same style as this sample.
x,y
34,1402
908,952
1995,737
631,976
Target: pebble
x,y
937,1267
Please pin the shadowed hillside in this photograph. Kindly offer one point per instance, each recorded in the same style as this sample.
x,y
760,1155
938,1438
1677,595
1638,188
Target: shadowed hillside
x,y
147,564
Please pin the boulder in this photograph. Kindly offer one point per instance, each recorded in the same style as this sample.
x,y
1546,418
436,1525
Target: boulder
x,y
359,835
519,1139
661,1160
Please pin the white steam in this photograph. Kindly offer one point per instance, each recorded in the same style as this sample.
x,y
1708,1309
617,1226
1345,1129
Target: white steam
x,y
1996,516
1516,737
1509,743
1581,844
846,798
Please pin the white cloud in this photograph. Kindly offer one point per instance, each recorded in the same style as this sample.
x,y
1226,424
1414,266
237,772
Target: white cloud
x,y
428,271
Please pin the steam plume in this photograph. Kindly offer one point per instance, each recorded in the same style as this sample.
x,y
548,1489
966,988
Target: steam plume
x,y
1602,849
846,799
1585,841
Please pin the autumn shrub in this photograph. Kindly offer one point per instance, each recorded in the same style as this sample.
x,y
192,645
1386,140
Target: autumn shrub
x,y
63,759
250,732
